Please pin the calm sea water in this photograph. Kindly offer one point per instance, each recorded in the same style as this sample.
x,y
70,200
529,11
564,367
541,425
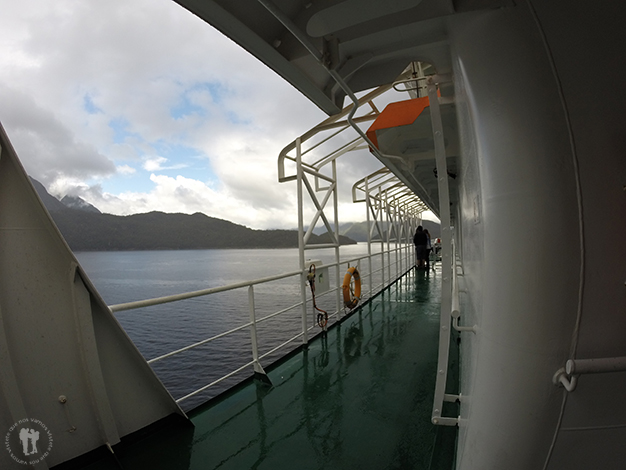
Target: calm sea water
x,y
127,276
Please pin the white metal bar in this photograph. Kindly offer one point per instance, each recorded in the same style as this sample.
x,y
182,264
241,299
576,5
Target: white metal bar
x,y
199,343
369,233
455,309
318,246
198,293
282,345
446,248
304,164
253,338
335,154
319,212
460,329
446,421
279,312
215,382
345,125
301,244
561,378
320,208
315,173
326,139
596,366
382,238
336,221
251,324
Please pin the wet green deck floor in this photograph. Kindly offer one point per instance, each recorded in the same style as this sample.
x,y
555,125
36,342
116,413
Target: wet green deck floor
x,y
358,398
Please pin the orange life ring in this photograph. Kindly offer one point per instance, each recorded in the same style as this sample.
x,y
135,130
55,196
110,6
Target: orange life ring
x,y
350,299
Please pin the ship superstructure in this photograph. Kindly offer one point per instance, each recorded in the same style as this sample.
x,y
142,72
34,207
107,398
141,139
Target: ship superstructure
x,y
512,135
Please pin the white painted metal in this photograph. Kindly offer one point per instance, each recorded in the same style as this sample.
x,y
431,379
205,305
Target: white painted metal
x,y
455,306
543,278
64,358
390,200
253,337
532,188
301,239
539,145
338,299
446,256
215,382
596,366
254,319
384,195
568,376
197,293
368,209
381,208
108,427
90,359
560,377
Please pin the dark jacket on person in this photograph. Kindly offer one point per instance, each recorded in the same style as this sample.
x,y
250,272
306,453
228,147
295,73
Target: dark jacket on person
x,y
420,238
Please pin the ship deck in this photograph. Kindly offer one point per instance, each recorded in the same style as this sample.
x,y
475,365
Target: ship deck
x,y
359,397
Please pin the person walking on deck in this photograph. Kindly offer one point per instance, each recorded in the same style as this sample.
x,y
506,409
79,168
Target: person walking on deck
x,y
429,248
420,240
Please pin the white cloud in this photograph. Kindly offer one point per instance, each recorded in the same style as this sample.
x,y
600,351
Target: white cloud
x,y
153,164
47,147
125,169
89,91
183,195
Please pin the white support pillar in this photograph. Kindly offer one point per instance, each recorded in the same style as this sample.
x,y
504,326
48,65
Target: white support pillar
x,y
336,222
369,235
299,189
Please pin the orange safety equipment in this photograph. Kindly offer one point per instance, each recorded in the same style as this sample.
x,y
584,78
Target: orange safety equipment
x,y
350,298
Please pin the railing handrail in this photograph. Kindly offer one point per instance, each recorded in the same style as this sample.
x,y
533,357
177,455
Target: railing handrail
x,y
237,285
384,254
198,293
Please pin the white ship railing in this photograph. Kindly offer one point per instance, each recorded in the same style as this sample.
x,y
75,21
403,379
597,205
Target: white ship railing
x,y
392,215
401,257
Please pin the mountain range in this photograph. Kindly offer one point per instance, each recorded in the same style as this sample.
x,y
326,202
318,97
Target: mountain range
x,y
358,230
85,228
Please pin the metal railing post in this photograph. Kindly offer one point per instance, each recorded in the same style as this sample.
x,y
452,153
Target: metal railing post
x,y
382,238
389,227
398,235
299,173
336,222
253,337
369,234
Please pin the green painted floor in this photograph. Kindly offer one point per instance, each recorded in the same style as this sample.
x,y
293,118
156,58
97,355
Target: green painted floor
x,y
359,398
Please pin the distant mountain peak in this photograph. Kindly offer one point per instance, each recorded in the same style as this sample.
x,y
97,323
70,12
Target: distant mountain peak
x,y
76,202
53,204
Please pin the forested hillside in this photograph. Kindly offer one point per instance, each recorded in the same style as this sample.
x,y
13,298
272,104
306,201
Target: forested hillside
x,y
86,229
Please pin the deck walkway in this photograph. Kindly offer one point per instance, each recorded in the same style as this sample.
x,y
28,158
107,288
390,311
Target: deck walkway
x,y
358,398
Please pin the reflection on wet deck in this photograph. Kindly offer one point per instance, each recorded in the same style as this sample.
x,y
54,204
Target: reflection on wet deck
x,y
359,397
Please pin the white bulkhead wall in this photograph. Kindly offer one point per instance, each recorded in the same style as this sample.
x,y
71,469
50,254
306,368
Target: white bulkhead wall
x,y
521,190
542,172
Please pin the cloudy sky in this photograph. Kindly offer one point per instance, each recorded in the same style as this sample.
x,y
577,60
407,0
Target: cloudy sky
x,y
137,105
